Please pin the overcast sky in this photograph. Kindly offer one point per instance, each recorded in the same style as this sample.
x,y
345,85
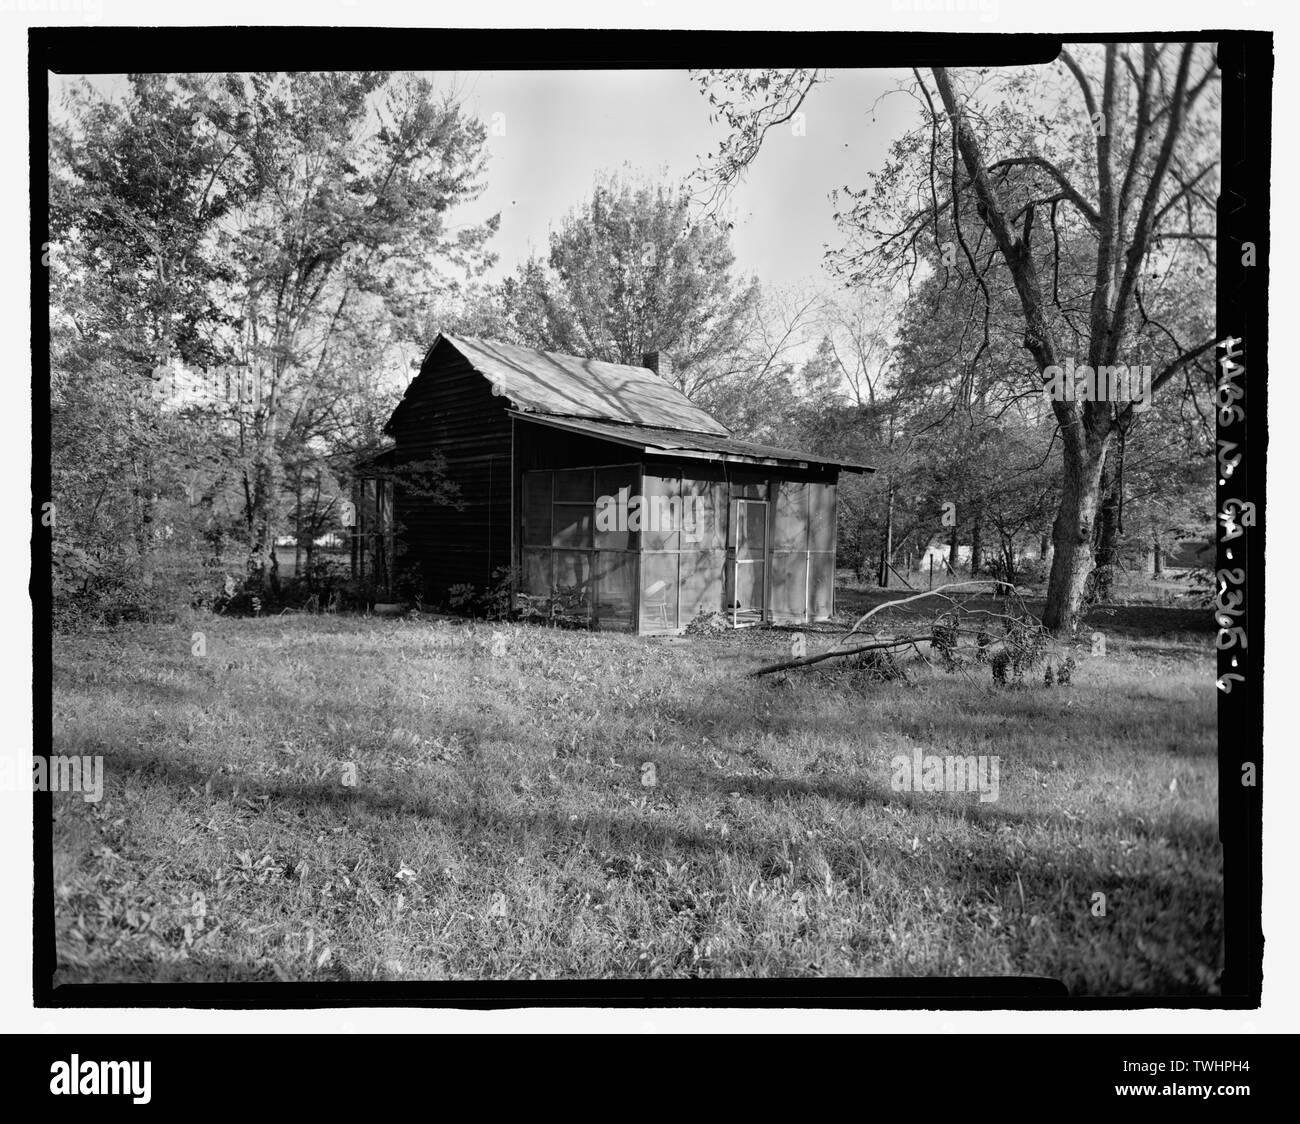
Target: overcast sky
x,y
563,127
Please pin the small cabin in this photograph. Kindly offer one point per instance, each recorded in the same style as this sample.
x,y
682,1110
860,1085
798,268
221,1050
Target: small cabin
x,y
612,499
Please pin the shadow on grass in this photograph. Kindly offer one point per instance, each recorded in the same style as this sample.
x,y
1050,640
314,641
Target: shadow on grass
x,y
1154,897
479,814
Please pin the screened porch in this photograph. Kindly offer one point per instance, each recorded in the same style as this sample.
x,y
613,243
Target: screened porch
x,y
648,548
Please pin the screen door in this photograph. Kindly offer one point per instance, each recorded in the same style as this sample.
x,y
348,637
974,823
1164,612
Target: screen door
x,y
750,563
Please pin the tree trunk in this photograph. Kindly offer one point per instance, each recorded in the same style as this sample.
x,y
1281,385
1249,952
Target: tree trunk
x,y
263,566
976,540
1157,558
259,523
1110,526
887,546
952,549
1107,551
297,526
1072,535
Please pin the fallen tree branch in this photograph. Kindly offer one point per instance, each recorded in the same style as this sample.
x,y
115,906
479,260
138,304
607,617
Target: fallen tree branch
x,y
879,645
931,593
943,631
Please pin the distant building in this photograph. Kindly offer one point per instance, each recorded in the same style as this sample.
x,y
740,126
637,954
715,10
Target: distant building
x,y
1190,554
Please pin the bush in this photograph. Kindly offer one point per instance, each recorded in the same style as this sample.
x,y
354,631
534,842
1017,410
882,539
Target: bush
x,y
491,602
1033,571
119,585
463,598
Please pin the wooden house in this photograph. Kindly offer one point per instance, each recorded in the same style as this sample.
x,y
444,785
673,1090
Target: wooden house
x,y
612,498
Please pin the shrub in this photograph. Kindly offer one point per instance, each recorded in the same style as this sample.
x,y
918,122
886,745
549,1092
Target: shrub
x,y
491,602
463,598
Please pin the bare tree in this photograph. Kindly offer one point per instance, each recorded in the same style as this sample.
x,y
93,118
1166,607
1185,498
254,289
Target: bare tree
x,y
1064,193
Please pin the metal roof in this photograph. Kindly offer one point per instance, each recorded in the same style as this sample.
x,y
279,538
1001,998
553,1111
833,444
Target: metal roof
x,y
674,442
546,382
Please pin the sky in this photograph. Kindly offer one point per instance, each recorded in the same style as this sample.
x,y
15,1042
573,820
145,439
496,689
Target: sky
x,y
550,133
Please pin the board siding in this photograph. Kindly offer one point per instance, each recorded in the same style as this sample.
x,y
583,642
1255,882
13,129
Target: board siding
x,y
450,410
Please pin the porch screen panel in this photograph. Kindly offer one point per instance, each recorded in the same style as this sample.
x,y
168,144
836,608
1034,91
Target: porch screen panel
x,y
615,487
578,564
574,485
701,583
791,529
535,580
659,578
617,563
788,589
573,584
574,525
821,517
537,508
821,545
704,514
573,518
821,595
661,511
615,588
788,586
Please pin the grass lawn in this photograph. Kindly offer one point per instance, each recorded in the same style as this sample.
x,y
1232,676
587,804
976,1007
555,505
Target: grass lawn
x,y
341,798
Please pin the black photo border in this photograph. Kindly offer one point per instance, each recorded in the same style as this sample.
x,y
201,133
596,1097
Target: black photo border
x,y
1246,64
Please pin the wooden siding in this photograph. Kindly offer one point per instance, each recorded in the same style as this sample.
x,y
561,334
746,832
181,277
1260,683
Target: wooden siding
x,y
450,409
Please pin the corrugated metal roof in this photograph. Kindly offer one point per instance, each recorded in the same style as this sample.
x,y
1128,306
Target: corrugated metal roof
x,y
672,441
546,382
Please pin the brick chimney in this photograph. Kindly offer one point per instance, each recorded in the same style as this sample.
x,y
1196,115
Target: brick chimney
x,y
659,363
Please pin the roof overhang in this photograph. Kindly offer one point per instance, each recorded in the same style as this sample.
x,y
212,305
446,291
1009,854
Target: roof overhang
x,y
689,446
375,461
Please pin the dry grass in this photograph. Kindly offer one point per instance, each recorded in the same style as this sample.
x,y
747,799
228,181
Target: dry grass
x,y
498,826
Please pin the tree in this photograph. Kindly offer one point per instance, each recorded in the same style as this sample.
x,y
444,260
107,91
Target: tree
x,y
1132,197
630,272
294,227
135,195
355,174
765,391
1121,172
